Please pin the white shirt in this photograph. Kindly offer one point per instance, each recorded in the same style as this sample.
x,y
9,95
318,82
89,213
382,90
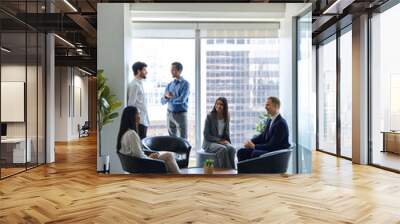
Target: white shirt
x,y
131,145
137,98
272,120
221,127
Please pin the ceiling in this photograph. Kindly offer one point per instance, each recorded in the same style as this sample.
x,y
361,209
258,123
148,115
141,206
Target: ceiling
x,y
76,20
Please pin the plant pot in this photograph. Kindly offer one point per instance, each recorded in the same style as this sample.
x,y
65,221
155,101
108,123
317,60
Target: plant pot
x,y
208,169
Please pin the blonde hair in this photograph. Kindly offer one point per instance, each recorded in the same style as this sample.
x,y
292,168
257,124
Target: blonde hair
x,y
275,100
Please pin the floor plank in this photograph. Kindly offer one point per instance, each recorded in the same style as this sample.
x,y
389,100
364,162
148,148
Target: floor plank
x,y
70,191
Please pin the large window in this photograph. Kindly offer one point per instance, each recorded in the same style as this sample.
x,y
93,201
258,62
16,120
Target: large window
x,y
346,94
241,64
158,54
385,84
234,66
327,96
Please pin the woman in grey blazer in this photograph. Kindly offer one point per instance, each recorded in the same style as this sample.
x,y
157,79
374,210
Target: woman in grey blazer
x,y
216,135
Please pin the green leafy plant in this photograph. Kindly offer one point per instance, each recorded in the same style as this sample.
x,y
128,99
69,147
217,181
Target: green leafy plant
x,y
209,163
262,123
107,103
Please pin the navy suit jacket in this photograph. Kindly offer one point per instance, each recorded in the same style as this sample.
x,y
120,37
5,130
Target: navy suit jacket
x,y
271,139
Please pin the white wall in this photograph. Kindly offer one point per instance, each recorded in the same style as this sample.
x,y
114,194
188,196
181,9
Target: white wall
x,y
67,116
113,55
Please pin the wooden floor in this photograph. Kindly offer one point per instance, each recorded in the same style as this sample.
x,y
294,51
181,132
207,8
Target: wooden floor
x,y
70,191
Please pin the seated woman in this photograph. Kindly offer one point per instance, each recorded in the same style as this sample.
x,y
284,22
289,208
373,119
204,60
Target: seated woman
x,y
216,135
129,142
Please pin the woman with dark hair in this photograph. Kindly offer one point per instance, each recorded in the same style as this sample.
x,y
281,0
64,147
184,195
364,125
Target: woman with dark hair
x,y
129,143
216,135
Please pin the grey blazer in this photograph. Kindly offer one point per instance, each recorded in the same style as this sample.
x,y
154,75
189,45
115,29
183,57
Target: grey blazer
x,y
211,131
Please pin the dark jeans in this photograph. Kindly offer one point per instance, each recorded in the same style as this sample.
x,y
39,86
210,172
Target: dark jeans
x,y
142,131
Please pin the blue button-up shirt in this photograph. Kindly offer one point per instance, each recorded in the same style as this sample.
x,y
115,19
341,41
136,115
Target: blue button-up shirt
x,y
180,99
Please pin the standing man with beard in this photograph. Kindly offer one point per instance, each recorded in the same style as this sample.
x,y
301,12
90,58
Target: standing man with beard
x,y
137,96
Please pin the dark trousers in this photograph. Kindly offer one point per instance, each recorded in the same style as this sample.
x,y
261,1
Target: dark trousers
x,y
244,154
142,131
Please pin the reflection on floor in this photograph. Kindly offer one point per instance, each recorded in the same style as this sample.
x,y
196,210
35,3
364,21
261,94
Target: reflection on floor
x,y
387,159
10,171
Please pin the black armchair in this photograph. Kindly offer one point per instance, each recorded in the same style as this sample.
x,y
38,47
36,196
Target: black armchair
x,y
132,164
272,162
84,129
179,146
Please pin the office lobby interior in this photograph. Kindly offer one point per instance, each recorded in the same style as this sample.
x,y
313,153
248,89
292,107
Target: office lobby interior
x,y
332,63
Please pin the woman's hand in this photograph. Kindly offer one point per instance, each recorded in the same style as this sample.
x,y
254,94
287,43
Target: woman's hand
x,y
223,142
154,155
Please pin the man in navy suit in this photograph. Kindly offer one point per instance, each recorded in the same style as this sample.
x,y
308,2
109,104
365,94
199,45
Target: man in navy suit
x,y
274,137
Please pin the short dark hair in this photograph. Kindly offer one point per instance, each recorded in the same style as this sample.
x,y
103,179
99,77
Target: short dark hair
x,y
178,66
275,100
138,66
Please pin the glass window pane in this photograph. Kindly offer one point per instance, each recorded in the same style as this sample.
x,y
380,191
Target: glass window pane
x,y
245,74
346,94
14,153
31,101
306,94
327,97
385,86
157,54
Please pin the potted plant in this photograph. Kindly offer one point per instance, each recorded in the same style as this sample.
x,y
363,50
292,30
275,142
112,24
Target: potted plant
x,y
262,123
107,105
208,166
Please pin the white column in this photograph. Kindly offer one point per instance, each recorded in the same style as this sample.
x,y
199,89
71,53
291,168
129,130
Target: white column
x,y
113,56
360,90
50,100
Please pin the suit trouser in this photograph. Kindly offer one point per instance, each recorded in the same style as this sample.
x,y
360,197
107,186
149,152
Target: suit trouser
x,y
225,155
177,124
244,154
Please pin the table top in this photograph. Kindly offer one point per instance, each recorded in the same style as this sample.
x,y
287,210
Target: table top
x,y
200,171
391,132
13,140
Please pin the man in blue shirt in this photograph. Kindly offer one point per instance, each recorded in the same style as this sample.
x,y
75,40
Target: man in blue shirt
x,y
177,96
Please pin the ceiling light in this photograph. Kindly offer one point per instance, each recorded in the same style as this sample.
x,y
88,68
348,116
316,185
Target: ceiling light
x,y
5,50
84,71
338,6
70,5
65,41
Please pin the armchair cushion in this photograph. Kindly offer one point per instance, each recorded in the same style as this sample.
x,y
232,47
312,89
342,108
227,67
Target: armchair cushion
x,y
177,145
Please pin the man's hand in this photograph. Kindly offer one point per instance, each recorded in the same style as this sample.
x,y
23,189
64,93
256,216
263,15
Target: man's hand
x,y
249,145
154,155
168,95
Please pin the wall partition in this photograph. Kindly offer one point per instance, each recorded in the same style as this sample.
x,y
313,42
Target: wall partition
x,y
22,100
306,94
224,54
